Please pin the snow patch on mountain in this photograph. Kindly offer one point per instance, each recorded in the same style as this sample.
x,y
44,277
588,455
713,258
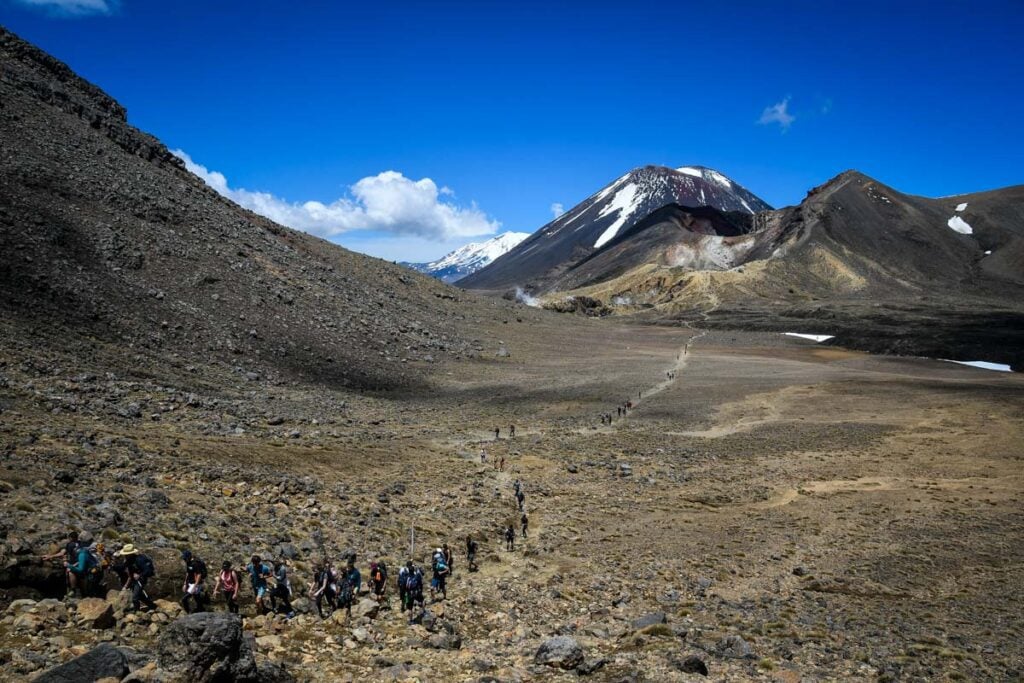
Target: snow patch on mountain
x,y
470,258
625,202
960,225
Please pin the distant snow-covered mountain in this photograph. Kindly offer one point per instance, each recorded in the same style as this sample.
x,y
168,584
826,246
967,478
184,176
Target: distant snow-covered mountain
x,y
470,258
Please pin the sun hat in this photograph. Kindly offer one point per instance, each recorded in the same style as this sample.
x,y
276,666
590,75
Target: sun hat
x,y
128,549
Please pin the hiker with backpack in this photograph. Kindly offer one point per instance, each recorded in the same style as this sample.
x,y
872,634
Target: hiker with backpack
x,y
324,587
511,431
471,548
510,538
497,433
379,579
259,573
80,572
347,591
440,578
525,522
194,586
140,570
520,498
229,580
413,586
403,576
282,589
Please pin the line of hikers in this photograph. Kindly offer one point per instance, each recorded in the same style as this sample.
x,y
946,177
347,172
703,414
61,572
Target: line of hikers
x,y
87,565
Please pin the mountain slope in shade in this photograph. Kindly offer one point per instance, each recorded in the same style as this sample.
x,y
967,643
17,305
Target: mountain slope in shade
x,y
470,258
108,244
598,220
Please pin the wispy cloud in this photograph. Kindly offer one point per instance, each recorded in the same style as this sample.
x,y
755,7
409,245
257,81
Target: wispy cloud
x,y
777,113
387,202
73,8
557,209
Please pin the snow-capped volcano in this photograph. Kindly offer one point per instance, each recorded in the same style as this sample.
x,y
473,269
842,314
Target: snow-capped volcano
x,y
594,223
470,258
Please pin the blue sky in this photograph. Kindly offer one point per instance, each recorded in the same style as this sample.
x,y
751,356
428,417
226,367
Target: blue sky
x,y
488,113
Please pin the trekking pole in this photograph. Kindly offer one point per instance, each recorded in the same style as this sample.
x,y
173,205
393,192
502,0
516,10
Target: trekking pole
x,y
412,541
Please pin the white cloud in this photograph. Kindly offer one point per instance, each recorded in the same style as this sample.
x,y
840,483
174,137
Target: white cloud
x,y
777,113
387,202
557,209
74,8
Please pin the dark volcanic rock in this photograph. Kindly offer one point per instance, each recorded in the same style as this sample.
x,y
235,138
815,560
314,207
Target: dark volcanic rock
x,y
207,646
103,661
561,651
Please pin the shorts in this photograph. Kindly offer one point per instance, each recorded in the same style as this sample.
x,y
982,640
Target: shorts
x,y
261,591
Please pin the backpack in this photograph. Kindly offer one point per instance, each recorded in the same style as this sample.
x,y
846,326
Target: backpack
x,y
90,559
440,566
199,567
144,566
414,582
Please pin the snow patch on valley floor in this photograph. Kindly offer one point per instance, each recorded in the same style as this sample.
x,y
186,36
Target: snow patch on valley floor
x,y
982,364
813,337
961,207
960,225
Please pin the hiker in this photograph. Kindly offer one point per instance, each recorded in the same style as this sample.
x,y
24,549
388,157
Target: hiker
x,y
140,570
497,433
501,467
471,548
483,457
525,522
448,558
195,582
515,486
511,431
510,538
324,587
79,572
282,590
258,575
520,498
352,574
346,592
69,551
413,586
403,577
438,582
378,579
619,408
229,580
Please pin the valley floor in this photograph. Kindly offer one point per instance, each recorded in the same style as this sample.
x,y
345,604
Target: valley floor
x,y
781,510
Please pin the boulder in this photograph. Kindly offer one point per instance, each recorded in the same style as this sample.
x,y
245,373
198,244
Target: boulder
x,y
366,607
692,665
103,661
735,647
561,651
444,641
95,613
206,647
649,620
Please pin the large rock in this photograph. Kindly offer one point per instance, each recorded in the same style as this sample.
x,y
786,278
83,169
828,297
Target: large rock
x,y
206,647
95,613
366,607
649,620
103,661
735,647
561,651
